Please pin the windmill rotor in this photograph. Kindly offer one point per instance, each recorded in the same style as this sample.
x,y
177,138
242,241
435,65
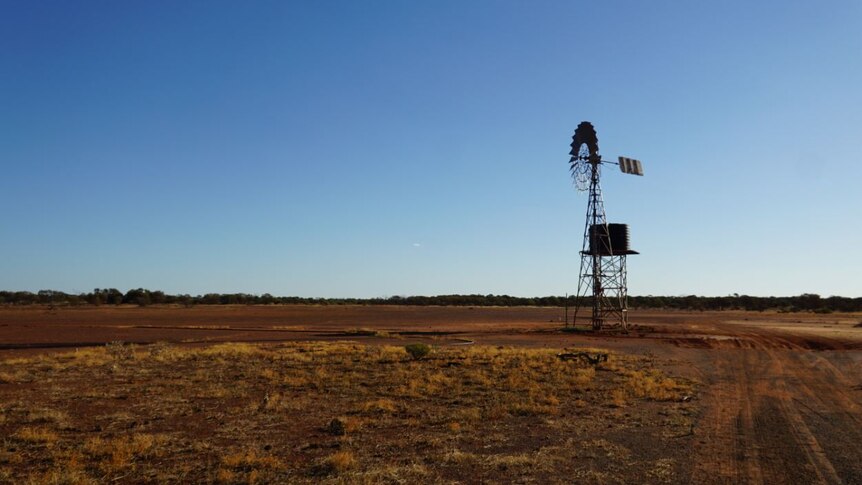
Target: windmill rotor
x,y
584,153
585,134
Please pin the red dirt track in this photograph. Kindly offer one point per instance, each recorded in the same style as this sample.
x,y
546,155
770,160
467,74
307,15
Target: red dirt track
x,y
780,394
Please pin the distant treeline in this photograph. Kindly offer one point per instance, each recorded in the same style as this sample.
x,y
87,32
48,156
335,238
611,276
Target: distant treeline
x,y
803,303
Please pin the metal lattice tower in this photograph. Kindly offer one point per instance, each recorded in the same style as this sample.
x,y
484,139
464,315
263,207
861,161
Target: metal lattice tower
x,y
602,279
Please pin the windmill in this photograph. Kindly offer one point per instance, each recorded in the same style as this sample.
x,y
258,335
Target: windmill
x,y
602,279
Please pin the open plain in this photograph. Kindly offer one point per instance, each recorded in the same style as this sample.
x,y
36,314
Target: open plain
x,y
240,394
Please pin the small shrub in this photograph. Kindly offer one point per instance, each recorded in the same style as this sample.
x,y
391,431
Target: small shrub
x,y
337,427
417,351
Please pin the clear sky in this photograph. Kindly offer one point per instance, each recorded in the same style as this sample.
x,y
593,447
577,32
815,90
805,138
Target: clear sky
x,y
382,148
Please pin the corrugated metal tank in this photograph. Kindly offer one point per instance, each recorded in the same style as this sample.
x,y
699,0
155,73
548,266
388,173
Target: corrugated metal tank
x,y
609,240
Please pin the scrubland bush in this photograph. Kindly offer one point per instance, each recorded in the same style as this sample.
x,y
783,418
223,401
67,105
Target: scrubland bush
x,y
417,351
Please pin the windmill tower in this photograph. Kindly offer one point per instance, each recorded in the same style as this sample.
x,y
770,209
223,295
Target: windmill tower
x,y
602,281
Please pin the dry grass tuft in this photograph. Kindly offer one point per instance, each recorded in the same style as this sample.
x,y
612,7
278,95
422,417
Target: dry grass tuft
x,y
341,461
120,452
250,460
380,406
38,434
653,385
8,378
229,350
460,457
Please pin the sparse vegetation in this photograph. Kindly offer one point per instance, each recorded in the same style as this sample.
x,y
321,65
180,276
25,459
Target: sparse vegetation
x,y
417,351
315,411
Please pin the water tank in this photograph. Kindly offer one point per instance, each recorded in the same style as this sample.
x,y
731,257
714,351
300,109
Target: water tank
x,y
619,237
611,239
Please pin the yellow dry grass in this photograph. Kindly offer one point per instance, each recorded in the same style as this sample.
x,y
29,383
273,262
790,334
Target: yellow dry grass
x,y
37,434
341,461
247,413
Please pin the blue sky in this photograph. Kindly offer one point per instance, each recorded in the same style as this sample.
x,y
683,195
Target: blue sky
x,y
399,148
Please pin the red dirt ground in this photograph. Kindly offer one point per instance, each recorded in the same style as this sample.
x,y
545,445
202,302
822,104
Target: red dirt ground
x,y
780,396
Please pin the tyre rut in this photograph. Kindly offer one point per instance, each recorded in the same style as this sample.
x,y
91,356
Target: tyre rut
x,y
777,412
